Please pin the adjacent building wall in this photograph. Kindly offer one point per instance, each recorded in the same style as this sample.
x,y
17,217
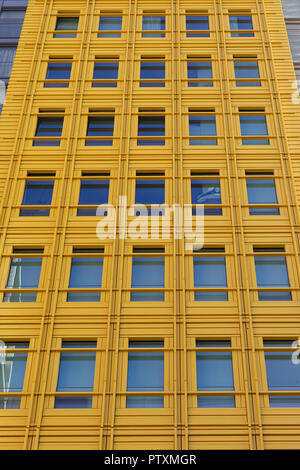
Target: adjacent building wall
x,y
291,10
12,14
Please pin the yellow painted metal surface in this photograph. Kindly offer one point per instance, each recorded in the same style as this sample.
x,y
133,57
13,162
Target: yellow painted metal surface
x,y
179,320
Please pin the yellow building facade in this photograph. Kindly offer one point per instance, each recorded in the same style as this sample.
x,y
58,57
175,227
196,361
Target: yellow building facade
x,y
131,99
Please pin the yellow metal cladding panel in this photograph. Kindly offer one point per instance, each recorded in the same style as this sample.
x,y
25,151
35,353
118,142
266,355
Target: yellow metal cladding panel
x,y
111,322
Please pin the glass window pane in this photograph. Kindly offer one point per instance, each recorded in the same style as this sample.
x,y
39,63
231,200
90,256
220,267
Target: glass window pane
x,y
279,401
152,70
203,296
12,14
24,273
12,373
66,24
76,371
241,23
151,126
153,24
202,126
271,271
207,192
199,71
147,296
148,272
106,71
59,71
144,402
7,56
145,373
37,193
49,126
282,374
100,126
85,273
216,402
76,374
274,296
110,23
210,272
92,193
73,402
197,23
261,191
254,125
150,192
214,373
245,69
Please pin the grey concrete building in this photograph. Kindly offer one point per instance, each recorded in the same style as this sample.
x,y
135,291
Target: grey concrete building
x,y
12,14
291,10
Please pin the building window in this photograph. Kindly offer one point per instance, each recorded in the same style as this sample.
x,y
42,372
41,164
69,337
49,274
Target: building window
x,y
271,274
199,72
86,275
282,374
67,25
106,72
24,274
37,192
153,26
206,190
148,275
202,125
151,125
47,129
12,374
11,20
210,280
110,27
246,72
214,374
12,15
150,194
197,26
76,374
145,374
100,127
152,73
261,191
58,74
93,192
253,127
7,57
241,26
